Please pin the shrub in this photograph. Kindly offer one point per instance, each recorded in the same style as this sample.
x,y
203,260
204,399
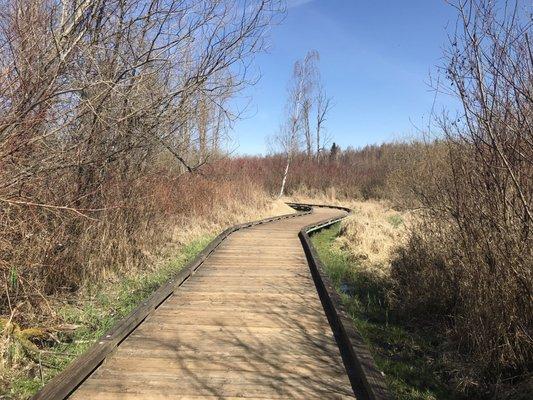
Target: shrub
x,y
470,259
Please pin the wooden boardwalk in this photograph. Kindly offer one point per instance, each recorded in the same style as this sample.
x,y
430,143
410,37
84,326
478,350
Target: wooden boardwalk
x,y
248,324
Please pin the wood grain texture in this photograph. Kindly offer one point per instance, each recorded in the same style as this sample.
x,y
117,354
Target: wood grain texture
x,y
367,380
63,384
247,324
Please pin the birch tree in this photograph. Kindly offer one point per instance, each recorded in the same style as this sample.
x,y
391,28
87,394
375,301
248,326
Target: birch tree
x,y
323,107
299,103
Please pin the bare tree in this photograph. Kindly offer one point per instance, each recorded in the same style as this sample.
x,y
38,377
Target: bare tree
x,y
93,93
103,79
310,77
478,199
298,107
307,105
323,107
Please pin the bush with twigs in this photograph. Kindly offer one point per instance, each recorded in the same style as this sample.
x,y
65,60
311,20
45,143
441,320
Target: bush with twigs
x,y
469,260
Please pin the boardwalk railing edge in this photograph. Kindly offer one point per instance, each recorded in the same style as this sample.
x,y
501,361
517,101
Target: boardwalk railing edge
x,y
67,381
367,380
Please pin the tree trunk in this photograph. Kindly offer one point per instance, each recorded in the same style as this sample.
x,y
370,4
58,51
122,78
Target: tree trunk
x,y
318,140
284,177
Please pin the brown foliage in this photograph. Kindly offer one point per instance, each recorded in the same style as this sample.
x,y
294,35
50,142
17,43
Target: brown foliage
x,y
353,173
57,251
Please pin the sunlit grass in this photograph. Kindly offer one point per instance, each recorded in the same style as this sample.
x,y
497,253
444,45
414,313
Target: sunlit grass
x,y
406,354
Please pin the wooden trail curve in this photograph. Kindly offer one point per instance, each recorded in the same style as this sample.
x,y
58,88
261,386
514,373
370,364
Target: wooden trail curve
x,y
244,321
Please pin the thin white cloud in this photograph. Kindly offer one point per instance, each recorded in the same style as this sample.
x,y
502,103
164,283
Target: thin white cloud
x,y
297,3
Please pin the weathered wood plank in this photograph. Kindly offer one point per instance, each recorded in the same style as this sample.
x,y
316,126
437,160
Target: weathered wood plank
x,y
63,384
248,324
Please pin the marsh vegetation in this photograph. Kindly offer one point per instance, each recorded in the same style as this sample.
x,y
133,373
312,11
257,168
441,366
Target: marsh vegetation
x,y
113,120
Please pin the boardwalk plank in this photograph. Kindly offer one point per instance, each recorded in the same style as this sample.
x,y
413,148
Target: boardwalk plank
x,y
248,324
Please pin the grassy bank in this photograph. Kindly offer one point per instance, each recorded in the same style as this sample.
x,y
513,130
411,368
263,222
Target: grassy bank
x,y
407,354
85,320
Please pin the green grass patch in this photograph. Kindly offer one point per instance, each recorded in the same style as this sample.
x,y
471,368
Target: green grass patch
x,y
99,310
395,220
407,354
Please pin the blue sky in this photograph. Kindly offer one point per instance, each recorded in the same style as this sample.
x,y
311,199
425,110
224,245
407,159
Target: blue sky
x,y
375,59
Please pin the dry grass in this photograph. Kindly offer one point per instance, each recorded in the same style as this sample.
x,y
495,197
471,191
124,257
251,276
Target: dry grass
x,y
372,234
255,205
